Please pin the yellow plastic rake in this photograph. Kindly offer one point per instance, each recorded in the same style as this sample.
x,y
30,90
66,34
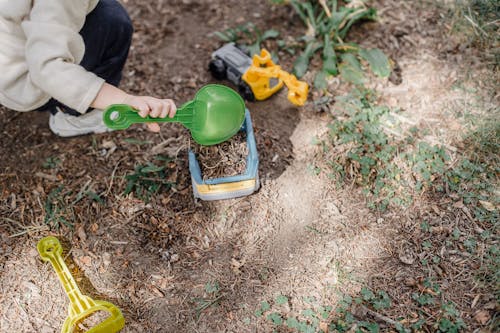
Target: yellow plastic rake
x,y
80,306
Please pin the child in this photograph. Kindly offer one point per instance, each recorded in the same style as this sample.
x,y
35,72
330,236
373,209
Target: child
x,y
67,57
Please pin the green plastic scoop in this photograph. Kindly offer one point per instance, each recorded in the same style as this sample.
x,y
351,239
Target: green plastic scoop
x,y
214,115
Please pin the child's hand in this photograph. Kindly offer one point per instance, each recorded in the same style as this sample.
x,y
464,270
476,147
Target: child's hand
x,y
154,107
146,105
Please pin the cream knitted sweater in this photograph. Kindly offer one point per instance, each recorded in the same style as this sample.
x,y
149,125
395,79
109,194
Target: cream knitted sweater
x,y
40,49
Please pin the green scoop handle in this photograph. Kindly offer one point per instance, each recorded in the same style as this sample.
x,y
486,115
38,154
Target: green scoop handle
x,y
213,116
121,116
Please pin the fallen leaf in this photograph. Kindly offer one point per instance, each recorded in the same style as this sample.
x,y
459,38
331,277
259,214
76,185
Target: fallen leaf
x,y
81,233
94,227
108,144
474,301
407,256
490,305
86,260
482,316
436,209
410,282
487,205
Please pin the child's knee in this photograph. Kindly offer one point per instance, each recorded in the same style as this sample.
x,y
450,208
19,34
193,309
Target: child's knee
x,y
117,18
122,20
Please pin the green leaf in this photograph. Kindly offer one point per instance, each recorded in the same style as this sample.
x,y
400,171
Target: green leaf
x,y
275,318
310,14
368,14
336,19
152,168
309,313
297,5
329,57
254,49
212,287
224,36
384,301
306,328
367,294
379,63
371,327
310,299
302,62
292,322
265,306
94,196
325,312
271,33
280,300
351,60
320,80
350,69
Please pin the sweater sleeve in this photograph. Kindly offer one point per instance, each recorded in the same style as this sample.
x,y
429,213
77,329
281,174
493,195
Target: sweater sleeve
x,y
54,49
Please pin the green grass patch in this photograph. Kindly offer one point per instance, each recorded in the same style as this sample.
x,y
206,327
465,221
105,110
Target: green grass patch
x,y
366,312
60,204
149,179
393,169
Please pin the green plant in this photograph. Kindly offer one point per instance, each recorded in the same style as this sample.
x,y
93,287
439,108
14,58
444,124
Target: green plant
x,y
57,209
478,21
51,162
248,31
327,26
315,317
390,168
450,321
212,289
367,151
428,163
149,179
59,205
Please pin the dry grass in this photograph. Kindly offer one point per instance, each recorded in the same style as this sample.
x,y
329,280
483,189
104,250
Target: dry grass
x,y
223,160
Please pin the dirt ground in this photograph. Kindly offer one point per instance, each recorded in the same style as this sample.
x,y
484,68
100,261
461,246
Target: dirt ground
x,y
298,236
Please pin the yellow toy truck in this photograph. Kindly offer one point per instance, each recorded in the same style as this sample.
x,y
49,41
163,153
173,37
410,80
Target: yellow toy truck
x,y
257,78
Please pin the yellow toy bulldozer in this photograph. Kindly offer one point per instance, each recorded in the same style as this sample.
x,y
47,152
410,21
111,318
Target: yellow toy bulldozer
x,y
257,78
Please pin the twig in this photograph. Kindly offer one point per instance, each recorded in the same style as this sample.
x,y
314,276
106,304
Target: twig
x,y
325,8
112,177
474,24
206,304
30,229
8,174
51,178
380,317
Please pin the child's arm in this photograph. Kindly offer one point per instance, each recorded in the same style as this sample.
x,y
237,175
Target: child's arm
x,y
146,105
54,49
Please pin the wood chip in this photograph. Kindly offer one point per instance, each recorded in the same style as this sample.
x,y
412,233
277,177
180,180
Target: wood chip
x,y
45,176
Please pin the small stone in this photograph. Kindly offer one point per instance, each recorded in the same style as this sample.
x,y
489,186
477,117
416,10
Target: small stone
x,y
407,256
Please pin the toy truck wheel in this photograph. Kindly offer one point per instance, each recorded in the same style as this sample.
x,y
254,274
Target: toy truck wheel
x,y
217,68
246,91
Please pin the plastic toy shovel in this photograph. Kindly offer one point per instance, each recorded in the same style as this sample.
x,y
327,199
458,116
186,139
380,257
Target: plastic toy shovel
x,y
81,306
213,116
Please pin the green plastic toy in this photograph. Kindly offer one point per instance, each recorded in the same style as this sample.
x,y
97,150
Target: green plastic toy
x,y
81,306
213,116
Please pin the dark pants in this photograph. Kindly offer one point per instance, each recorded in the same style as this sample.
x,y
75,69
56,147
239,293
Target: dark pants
x,y
107,34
